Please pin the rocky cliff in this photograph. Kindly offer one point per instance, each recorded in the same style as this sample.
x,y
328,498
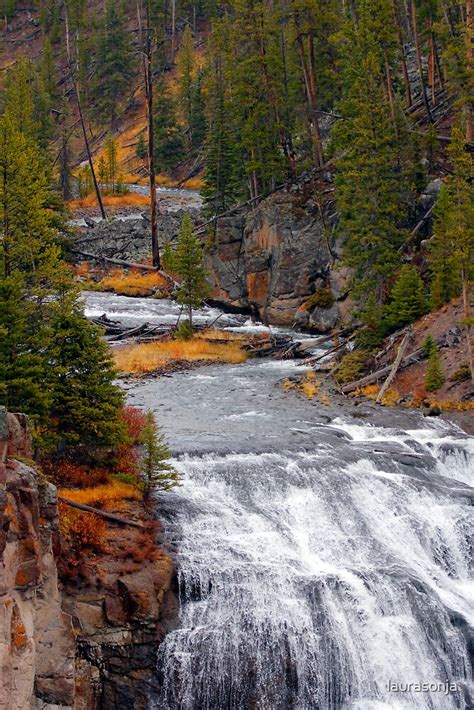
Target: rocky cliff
x,y
278,260
90,641
36,638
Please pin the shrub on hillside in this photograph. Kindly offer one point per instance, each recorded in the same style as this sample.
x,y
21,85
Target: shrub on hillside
x,y
351,367
434,377
82,530
323,298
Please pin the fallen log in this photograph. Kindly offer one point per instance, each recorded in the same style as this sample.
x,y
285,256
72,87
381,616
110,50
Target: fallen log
x,y
311,360
126,264
117,262
102,514
395,366
374,376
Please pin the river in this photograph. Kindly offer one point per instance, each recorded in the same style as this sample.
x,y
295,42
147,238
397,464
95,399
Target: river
x,y
322,552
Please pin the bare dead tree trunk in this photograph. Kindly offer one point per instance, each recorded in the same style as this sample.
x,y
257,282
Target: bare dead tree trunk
x,y
419,61
155,247
88,150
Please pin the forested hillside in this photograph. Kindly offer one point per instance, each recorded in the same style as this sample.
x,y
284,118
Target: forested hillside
x,y
368,101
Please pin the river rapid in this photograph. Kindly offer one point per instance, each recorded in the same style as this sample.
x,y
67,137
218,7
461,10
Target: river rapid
x,y
323,553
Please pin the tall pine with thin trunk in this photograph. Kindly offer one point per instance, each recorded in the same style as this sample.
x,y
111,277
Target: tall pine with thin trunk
x,y
188,264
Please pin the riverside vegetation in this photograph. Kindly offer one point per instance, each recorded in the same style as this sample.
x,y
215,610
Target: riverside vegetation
x,y
245,98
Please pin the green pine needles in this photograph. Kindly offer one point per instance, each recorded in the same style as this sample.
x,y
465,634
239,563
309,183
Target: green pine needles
x,y
188,264
156,471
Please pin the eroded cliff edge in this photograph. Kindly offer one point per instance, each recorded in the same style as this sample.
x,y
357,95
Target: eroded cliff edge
x,y
37,644
89,641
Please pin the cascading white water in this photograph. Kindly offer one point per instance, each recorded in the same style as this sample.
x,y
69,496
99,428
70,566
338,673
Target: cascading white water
x,y
322,560
309,585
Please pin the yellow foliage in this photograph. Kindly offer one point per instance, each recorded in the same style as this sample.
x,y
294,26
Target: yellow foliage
x,y
133,282
146,357
101,495
133,199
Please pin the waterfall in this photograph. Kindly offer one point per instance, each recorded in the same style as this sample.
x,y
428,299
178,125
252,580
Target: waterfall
x,y
315,579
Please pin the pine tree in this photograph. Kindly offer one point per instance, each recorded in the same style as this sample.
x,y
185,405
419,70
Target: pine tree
x,y
19,103
434,376
114,62
186,71
371,185
169,143
111,162
224,177
443,262
188,264
197,117
429,345
407,298
155,467
452,247
141,150
85,404
168,256
371,334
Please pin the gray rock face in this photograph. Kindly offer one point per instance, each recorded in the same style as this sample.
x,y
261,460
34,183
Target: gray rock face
x,y
272,259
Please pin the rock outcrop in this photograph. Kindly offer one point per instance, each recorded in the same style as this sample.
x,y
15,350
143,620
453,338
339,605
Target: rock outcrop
x,y
37,644
274,258
91,641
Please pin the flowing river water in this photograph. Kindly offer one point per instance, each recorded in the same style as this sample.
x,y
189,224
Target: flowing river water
x,y
322,553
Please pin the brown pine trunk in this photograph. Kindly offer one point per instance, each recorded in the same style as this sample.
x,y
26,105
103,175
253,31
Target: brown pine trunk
x,y
419,61
309,77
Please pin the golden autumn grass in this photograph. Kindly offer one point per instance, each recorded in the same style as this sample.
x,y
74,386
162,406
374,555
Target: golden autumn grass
x,y
101,495
129,199
133,282
146,357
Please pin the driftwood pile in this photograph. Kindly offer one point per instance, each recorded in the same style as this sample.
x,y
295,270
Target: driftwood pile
x,y
281,347
116,331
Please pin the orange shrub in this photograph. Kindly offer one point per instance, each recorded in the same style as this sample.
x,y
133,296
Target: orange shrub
x,y
135,420
68,473
82,530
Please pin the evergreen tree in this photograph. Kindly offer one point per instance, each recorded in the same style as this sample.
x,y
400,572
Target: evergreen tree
x,y
429,345
85,403
114,62
197,117
407,298
141,149
19,103
155,467
443,261
186,71
168,256
188,264
371,188
371,334
169,143
434,376
454,234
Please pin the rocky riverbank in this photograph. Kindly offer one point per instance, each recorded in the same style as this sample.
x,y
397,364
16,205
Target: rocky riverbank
x,y
80,634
